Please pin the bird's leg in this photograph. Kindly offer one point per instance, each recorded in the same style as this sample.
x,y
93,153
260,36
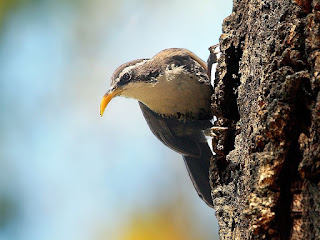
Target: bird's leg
x,y
217,133
213,58
219,137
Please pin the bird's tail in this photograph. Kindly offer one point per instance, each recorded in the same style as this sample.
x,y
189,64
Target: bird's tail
x,y
198,169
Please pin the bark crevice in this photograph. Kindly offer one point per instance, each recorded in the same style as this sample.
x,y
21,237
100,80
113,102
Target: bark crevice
x,y
265,176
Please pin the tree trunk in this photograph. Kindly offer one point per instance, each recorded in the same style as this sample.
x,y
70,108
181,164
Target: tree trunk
x,y
265,176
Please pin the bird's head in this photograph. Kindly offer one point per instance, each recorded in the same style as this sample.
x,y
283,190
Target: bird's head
x,y
173,83
122,76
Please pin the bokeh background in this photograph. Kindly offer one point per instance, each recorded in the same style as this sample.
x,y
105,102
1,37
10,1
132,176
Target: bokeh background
x,y
66,173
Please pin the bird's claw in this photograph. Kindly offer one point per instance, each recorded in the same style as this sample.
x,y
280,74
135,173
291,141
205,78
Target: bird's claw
x,y
214,131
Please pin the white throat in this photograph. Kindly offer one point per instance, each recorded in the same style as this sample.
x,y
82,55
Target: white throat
x,y
176,91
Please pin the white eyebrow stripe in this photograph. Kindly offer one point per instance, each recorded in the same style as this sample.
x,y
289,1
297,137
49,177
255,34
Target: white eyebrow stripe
x,y
129,68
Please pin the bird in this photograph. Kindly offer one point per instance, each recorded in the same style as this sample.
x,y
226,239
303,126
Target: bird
x,y
174,93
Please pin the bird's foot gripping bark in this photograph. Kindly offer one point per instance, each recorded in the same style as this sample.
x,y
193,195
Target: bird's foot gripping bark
x,y
213,58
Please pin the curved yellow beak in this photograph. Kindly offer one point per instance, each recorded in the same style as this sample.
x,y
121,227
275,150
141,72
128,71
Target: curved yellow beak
x,y
107,98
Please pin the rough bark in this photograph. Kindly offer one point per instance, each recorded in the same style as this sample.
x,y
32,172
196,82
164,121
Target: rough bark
x,y
265,176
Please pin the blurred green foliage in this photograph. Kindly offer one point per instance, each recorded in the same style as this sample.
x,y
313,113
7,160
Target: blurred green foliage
x,y
6,210
8,6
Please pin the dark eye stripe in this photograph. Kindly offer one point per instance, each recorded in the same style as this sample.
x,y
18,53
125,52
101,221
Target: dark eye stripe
x,y
126,77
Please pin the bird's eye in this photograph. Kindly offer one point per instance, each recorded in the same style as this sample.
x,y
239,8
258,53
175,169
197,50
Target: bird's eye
x,y
126,77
